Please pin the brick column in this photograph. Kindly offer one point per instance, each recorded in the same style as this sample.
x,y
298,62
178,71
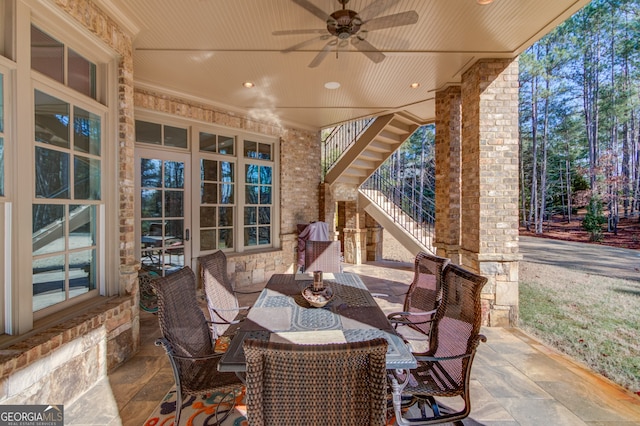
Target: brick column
x,y
489,176
448,169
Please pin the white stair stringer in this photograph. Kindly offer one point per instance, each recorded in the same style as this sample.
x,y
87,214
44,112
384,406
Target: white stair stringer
x,y
402,235
381,139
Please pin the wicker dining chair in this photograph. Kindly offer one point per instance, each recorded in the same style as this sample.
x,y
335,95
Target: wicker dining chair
x,y
187,340
444,370
331,384
423,296
222,298
322,256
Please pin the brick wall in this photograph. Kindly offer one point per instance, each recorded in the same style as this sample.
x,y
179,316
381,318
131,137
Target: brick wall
x,y
489,227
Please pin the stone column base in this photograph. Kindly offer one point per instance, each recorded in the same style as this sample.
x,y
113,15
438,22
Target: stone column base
x,y
500,293
352,248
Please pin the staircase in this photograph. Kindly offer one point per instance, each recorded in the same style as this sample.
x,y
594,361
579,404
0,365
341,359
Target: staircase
x,y
413,235
373,142
377,142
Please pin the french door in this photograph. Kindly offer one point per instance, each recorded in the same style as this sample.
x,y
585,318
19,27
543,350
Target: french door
x,y
163,200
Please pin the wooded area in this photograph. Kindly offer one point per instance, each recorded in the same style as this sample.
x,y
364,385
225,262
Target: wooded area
x,y
580,119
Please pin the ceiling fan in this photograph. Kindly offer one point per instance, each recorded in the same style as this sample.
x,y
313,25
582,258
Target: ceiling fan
x,y
345,24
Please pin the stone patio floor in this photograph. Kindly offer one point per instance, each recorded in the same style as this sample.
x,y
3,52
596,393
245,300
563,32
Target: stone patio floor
x,y
516,380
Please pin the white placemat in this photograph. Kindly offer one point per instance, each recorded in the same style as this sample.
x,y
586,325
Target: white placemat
x,y
309,337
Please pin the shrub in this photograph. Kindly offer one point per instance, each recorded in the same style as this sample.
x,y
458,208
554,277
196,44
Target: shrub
x,y
594,219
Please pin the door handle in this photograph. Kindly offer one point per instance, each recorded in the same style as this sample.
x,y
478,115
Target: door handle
x,y
186,235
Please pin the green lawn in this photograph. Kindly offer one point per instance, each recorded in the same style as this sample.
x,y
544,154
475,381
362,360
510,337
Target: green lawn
x,y
591,318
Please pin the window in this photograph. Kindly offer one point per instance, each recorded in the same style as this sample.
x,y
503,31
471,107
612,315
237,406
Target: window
x,y
234,187
67,167
159,134
258,179
48,58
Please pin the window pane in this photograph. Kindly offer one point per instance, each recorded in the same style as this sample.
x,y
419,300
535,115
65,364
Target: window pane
x,y
226,194
174,232
82,226
251,173
82,272
227,171
52,120
225,240
250,149
250,237
81,74
86,131
174,174
52,173
207,142
207,217
250,216
264,213
265,175
225,145
153,228
86,179
148,132
151,203
48,281
175,136
251,194
264,151
265,195
208,239
264,235
48,228
173,203
225,216
151,172
47,55
209,193
209,170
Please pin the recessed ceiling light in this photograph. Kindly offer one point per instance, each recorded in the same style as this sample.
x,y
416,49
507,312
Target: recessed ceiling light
x,y
414,85
483,2
248,84
332,85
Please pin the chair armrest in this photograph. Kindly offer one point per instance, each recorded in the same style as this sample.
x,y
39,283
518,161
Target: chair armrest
x,y
247,292
411,317
161,341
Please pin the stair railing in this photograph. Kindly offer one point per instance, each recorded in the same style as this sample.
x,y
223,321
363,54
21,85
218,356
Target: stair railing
x,y
339,140
415,218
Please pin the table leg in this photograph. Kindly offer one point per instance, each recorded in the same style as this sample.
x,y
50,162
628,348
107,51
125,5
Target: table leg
x,y
396,392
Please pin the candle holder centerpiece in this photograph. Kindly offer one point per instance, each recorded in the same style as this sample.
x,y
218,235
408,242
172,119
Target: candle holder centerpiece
x,y
317,294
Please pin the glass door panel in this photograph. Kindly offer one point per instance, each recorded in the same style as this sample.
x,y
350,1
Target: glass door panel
x,y
162,204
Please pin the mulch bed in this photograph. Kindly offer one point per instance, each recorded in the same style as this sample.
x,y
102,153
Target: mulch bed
x,y
627,235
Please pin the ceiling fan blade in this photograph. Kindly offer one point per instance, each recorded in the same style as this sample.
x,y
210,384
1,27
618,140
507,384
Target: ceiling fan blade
x,y
303,44
368,49
396,20
313,9
322,54
294,32
375,9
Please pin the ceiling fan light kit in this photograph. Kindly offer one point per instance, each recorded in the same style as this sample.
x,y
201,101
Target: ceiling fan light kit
x,y
346,24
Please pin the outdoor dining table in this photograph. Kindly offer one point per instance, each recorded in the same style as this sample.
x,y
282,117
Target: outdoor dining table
x,y
282,314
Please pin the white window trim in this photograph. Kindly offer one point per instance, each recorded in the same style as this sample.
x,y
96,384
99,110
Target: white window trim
x,y
19,316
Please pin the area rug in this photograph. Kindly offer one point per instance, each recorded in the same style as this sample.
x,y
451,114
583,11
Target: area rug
x,y
208,410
